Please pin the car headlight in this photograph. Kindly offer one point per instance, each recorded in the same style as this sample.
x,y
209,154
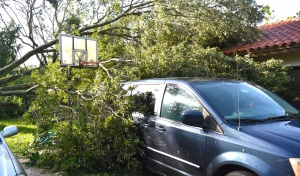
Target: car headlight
x,y
295,163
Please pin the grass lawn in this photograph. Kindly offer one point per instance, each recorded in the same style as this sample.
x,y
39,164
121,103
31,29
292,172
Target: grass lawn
x,y
19,143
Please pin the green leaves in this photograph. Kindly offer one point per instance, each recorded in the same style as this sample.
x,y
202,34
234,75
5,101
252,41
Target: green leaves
x,y
208,23
72,24
54,3
95,133
8,44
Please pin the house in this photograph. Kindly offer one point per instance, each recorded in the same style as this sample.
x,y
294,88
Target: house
x,y
282,41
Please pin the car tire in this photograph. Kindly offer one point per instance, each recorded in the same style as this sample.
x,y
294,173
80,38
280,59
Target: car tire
x,y
240,173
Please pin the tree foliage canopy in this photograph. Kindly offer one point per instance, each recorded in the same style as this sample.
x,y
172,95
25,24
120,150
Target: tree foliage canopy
x,y
8,46
136,39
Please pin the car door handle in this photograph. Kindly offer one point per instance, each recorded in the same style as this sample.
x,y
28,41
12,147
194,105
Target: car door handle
x,y
160,128
146,125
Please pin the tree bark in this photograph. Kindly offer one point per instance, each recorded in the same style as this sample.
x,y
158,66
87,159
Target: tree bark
x,y
15,77
18,92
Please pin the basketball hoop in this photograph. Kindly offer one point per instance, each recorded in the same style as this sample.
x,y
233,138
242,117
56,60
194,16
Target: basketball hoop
x,y
90,64
78,52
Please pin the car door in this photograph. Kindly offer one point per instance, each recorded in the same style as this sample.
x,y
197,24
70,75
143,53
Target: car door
x,y
145,121
178,148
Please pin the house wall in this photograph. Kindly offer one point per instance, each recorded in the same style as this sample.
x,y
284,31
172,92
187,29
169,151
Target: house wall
x,y
289,59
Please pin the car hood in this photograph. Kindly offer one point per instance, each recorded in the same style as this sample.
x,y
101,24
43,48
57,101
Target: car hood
x,y
7,167
285,134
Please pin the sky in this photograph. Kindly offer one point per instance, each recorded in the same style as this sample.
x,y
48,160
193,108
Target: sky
x,y
282,8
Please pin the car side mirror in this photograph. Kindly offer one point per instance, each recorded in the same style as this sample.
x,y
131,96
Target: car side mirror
x,y
193,118
10,131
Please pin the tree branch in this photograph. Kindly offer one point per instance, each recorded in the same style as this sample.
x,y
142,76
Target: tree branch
x,y
15,77
127,36
20,61
123,14
17,87
18,92
117,60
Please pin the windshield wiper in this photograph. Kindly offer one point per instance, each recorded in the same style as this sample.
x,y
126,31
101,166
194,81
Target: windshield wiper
x,y
253,120
279,118
249,120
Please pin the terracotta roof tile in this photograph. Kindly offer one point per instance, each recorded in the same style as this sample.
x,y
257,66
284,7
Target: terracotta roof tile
x,y
284,33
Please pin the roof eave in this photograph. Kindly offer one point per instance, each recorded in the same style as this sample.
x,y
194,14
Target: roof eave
x,y
269,51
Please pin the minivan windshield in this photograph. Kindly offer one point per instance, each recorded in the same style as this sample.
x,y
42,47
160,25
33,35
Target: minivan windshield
x,y
234,100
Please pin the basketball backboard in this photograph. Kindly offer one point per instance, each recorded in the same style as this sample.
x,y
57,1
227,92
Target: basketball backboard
x,y
77,51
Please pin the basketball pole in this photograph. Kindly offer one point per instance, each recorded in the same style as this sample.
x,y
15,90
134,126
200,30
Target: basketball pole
x,y
69,75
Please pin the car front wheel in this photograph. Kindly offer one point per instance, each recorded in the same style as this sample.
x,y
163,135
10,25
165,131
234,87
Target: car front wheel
x,y
240,173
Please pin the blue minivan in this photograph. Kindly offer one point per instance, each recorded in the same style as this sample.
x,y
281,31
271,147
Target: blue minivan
x,y
217,127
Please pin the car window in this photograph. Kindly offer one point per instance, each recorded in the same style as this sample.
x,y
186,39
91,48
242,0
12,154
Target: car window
x,y
240,100
177,100
149,93
279,100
